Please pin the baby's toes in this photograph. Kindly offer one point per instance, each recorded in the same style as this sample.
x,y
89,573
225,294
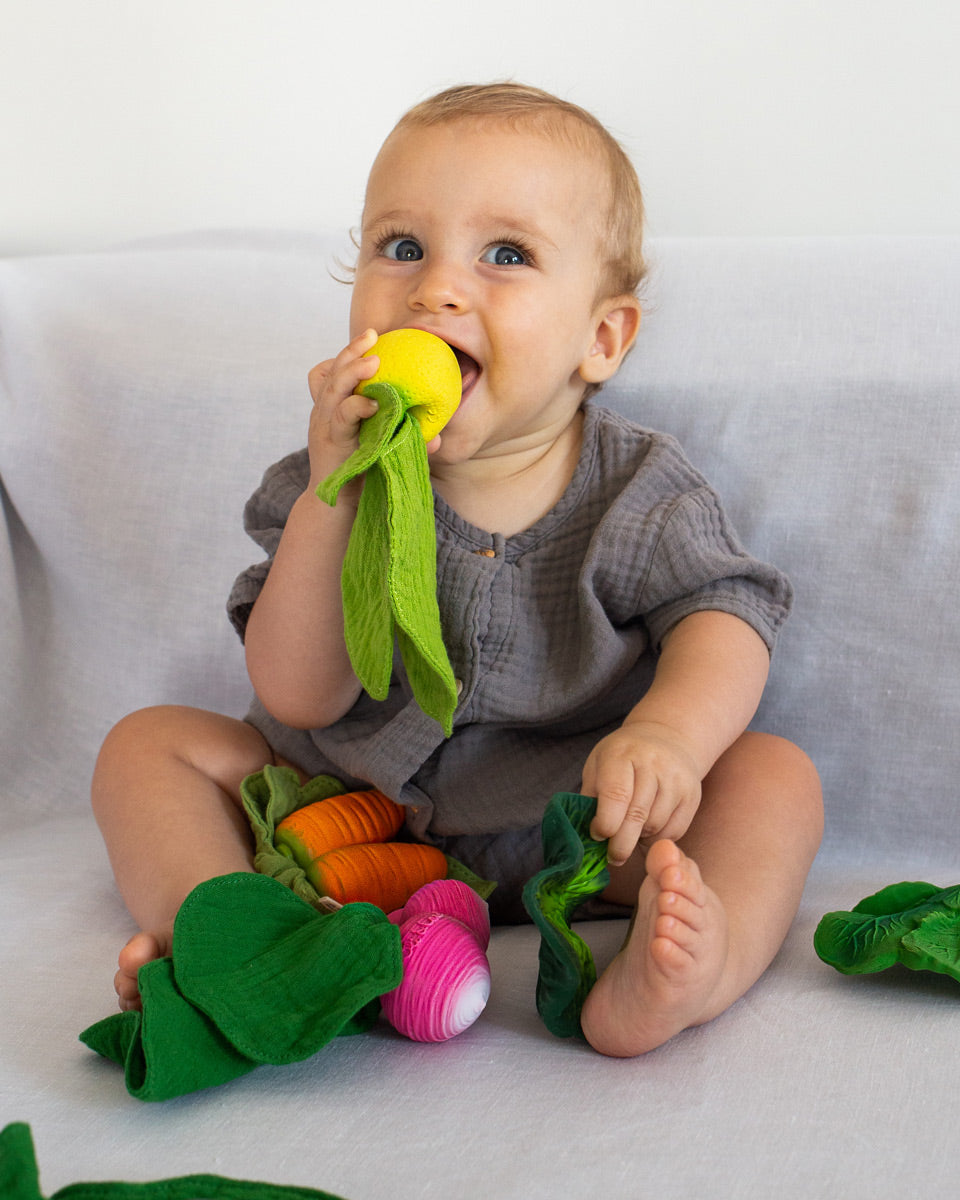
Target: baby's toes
x,y
674,872
141,949
678,910
128,993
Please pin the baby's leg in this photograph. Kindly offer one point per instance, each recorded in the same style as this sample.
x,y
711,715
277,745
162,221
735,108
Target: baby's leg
x,y
166,795
712,911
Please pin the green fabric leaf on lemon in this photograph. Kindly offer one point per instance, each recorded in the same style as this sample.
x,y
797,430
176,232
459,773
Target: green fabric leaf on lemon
x,y
389,579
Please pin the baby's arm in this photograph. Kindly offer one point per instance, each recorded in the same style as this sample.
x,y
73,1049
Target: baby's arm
x,y
647,774
296,655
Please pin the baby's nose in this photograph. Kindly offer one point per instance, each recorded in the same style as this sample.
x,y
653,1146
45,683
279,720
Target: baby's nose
x,y
440,285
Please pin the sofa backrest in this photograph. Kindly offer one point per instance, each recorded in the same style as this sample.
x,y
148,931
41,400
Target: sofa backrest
x,y
815,382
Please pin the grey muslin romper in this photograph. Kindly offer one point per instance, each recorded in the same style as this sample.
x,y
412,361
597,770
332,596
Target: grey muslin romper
x,y
552,633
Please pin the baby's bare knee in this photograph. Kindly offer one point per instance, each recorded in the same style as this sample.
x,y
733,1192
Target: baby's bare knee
x,y
129,750
148,733
793,778
131,737
776,776
147,743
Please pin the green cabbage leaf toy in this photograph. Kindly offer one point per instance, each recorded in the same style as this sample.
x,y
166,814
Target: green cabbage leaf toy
x,y
914,924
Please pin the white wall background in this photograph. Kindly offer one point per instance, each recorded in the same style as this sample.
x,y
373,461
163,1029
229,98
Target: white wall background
x,y
126,118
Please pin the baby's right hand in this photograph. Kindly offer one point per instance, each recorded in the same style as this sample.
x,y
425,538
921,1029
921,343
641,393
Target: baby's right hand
x,y
337,411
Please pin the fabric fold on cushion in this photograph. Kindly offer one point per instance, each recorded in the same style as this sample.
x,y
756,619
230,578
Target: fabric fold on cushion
x,y
389,578
576,869
256,976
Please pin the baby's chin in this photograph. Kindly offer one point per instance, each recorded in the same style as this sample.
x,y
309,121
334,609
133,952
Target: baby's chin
x,y
445,454
456,446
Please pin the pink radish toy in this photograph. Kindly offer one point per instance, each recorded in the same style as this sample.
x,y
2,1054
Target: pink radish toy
x,y
444,931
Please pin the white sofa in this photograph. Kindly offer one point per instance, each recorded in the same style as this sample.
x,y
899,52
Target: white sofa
x,y
817,383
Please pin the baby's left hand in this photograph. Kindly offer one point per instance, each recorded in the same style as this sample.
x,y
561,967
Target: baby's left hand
x,y
647,786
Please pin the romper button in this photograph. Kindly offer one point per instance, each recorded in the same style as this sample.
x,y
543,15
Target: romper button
x,y
459,683
488,553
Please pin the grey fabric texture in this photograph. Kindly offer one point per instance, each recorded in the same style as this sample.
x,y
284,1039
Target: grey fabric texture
x,y
816,384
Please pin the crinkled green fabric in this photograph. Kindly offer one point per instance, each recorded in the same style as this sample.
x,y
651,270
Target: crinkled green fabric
x,y
576,869
20,1180
273,794
268,797
389,578
914,924
256,976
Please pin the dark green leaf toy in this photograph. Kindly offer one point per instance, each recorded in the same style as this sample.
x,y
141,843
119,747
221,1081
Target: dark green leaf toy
x,y
20,1180
914,924
576,869
256,976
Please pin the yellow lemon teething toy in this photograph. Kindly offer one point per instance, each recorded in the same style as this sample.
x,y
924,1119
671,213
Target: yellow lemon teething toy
x,y
425,373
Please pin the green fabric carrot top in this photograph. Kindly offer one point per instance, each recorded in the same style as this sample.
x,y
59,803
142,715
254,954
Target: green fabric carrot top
x,y
389,576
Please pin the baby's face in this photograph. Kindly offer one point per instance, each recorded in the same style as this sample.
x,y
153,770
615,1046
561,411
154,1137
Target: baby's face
x,y
489,238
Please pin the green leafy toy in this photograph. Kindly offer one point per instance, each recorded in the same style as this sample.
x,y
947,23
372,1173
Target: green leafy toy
x,y
256,976
268,797
914,924
576,869
389,579
20,1180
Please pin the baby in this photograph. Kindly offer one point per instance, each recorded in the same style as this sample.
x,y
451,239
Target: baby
x,y
608,633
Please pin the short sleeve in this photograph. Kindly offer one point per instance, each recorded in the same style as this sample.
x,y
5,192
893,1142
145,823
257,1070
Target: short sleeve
x,y
699,564
264,518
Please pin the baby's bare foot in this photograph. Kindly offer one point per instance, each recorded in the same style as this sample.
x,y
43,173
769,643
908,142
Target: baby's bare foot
x,y
141,949
666,976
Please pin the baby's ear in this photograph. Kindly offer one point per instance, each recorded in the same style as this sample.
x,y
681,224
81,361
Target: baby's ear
x,y
617,323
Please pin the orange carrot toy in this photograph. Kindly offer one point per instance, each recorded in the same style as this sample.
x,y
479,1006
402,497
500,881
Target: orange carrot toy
x,y
385,874
347,820
343,846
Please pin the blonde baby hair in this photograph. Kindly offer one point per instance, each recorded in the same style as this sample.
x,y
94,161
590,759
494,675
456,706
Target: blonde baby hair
x,y
523,106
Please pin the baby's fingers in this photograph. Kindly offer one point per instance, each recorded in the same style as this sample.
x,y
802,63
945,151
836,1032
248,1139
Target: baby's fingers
x,y
678,810
338,411
336,378
347,416
624,801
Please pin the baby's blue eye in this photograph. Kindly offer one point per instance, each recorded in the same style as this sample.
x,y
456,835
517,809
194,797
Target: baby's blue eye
x,y
504,256
402,249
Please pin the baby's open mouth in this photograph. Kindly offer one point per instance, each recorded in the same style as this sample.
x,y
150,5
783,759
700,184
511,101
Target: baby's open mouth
x,y
469,369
